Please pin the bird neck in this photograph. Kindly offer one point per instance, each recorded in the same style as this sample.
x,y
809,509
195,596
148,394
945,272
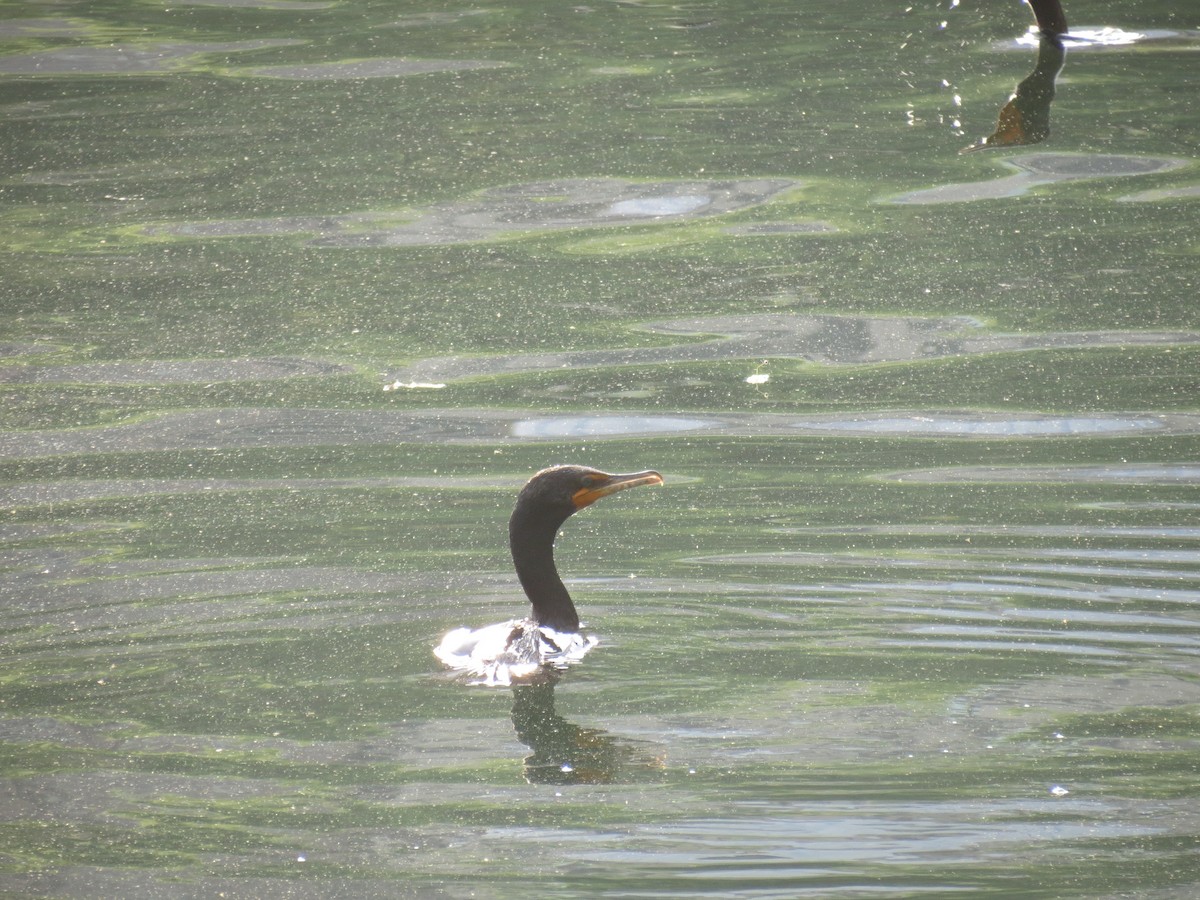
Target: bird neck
x,y
532,545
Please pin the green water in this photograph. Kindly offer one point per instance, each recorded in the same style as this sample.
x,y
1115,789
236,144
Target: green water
x,y
297,294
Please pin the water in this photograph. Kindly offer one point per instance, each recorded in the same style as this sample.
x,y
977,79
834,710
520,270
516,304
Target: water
x,y
296,296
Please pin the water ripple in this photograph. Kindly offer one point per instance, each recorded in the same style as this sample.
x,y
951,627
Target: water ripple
x,y
239,428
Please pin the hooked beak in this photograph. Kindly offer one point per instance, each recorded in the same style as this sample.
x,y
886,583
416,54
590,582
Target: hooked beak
x,y
610,484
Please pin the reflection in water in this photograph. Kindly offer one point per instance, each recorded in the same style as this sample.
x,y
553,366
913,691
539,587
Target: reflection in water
x,y
1187,192
564,753
1051,20
982,425
502,211
1044,168
169,371
1025,118
826,339
658,206
370,68
233,429
597,426
1106,36
1129,473
260,4
126,59
21,28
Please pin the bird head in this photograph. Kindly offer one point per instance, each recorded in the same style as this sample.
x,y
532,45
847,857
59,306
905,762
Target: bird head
x,y
563,490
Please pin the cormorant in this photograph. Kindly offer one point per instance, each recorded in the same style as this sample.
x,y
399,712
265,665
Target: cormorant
x,y
521,649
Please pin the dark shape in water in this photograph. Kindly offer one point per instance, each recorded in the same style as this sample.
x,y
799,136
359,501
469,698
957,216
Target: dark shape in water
x,y
1025,118
565,753
524,648
1051,19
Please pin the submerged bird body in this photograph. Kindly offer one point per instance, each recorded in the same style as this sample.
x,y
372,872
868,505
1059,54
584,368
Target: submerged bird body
x,y
523,649
516,650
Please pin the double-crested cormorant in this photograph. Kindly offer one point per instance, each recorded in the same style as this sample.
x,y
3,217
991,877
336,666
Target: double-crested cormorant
x,y
1051,19
522,648
1025,118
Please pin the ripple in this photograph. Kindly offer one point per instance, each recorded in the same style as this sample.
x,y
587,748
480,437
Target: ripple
x,y
370,68
989,426
232,600
243,428
439,17
296,5
1007,647
1159,195
43,493
772,846
1064,601
506,211
598,426
1137,473
171,371
1122,533
1101,37
57,28
659,206
769,229
826,339
1000,570
9,349
1043,168
125,58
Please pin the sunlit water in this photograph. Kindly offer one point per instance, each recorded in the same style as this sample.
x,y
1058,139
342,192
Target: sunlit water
x,y
298,294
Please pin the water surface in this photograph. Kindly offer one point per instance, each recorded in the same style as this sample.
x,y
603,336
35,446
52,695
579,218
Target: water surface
x,y
298,294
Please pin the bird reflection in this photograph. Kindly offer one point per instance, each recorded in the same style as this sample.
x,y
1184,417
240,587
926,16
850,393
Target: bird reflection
x,y
564,753
1051,19
1025,118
